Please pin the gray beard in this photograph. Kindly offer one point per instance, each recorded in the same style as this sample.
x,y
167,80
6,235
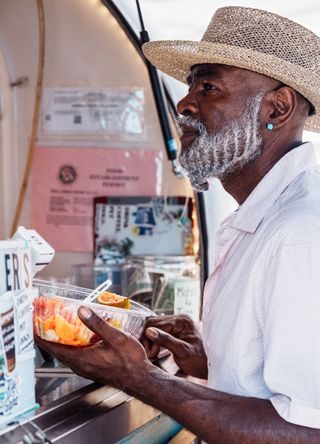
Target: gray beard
x,y
237,144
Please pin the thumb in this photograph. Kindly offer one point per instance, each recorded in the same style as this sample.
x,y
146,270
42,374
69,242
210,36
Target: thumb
x,y
160,337
98,325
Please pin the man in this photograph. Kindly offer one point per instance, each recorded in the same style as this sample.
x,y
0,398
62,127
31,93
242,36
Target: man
x,y
254,86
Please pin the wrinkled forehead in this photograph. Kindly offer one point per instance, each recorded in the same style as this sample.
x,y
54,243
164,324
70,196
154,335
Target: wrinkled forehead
x,y
209,70
228,74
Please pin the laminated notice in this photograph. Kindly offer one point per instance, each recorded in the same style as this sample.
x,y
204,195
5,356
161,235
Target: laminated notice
x,y
93,110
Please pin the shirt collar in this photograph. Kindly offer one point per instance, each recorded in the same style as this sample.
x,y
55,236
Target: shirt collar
x,y
260,200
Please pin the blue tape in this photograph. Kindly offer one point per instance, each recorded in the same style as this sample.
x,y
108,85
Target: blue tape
x,y
172,146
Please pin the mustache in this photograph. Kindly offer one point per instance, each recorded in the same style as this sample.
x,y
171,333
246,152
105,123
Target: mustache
x,y
187,122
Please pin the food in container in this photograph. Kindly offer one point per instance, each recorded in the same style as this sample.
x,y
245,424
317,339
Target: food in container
x,y
56,319
113,300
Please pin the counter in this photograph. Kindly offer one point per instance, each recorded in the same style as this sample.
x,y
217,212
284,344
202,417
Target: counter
x,y
75,410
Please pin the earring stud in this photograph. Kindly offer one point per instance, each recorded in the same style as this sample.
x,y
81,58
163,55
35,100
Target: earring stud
x,y
270,126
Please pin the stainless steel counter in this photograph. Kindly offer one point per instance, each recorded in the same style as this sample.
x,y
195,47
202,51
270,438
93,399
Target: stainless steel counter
x,y
75,410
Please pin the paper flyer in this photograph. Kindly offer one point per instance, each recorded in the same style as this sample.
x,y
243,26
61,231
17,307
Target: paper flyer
x,y
66,180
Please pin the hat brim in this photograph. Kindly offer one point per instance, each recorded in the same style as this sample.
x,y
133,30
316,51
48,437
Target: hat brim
x,y
176,58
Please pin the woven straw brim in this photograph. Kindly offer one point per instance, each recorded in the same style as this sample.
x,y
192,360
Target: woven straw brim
x,y
176,58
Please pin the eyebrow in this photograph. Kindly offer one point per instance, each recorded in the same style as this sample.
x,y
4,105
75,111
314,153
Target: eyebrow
x,y
204,72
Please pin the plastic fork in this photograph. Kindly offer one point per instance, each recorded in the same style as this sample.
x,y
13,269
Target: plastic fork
x,y
98,291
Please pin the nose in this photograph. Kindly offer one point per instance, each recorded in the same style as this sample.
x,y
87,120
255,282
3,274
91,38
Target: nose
x,y
187,106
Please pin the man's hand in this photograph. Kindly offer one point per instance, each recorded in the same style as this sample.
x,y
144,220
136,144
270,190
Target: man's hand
x,y
120,360
179,335
113,360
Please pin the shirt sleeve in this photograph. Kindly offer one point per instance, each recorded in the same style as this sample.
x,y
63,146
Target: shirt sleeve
x,y
292,333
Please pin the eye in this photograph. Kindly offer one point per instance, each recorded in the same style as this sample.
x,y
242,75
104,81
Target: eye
x,y
207,86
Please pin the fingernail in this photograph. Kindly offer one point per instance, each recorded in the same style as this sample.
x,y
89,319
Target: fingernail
x,y
85,312
152,332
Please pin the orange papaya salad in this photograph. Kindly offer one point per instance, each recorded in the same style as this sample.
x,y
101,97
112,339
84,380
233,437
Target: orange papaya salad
x,y
57,321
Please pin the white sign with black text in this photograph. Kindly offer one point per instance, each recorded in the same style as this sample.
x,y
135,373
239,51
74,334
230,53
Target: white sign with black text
x,y
187,298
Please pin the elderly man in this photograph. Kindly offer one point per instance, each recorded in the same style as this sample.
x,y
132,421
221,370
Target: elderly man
x,y
254,85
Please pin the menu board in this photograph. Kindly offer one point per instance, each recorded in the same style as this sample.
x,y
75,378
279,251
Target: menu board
x,y
16,331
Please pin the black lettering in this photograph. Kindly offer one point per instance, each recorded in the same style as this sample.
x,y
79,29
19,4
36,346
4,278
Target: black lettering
x,y
7,269
15,263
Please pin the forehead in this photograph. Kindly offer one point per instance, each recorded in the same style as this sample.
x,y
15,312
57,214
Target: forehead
x,y
210,70
227,75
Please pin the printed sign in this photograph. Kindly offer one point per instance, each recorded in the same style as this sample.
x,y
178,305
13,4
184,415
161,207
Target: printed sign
x,y
16,331
24,311
66,180
15,266
94,111
187,298
8,329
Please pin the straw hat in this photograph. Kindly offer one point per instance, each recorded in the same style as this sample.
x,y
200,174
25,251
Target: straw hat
x,y
252,39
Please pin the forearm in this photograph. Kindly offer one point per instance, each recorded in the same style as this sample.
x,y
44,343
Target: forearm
x,y
214,416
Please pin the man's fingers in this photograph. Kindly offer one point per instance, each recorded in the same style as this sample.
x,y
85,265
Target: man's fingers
x,y
176,325
161,338
150,347
160,322
98,325
54,349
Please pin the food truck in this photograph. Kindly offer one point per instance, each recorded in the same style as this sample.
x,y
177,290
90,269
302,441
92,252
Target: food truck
x,y
92,193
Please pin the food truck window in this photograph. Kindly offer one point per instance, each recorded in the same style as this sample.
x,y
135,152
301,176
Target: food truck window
x,y
98,136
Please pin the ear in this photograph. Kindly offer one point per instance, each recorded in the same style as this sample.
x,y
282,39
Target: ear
x,y
280,106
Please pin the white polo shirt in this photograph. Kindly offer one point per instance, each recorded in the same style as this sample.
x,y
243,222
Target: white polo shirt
x,y
261,314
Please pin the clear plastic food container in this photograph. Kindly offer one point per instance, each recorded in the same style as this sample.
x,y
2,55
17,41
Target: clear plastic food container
x,y
90,275
56,319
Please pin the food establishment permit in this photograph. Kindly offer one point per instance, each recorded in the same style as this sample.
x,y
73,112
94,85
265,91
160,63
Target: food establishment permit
x,y
66,180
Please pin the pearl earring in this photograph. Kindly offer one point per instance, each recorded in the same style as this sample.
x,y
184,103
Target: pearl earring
x,y
270,126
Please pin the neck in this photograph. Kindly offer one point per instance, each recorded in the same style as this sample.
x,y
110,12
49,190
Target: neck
x,y
243,181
